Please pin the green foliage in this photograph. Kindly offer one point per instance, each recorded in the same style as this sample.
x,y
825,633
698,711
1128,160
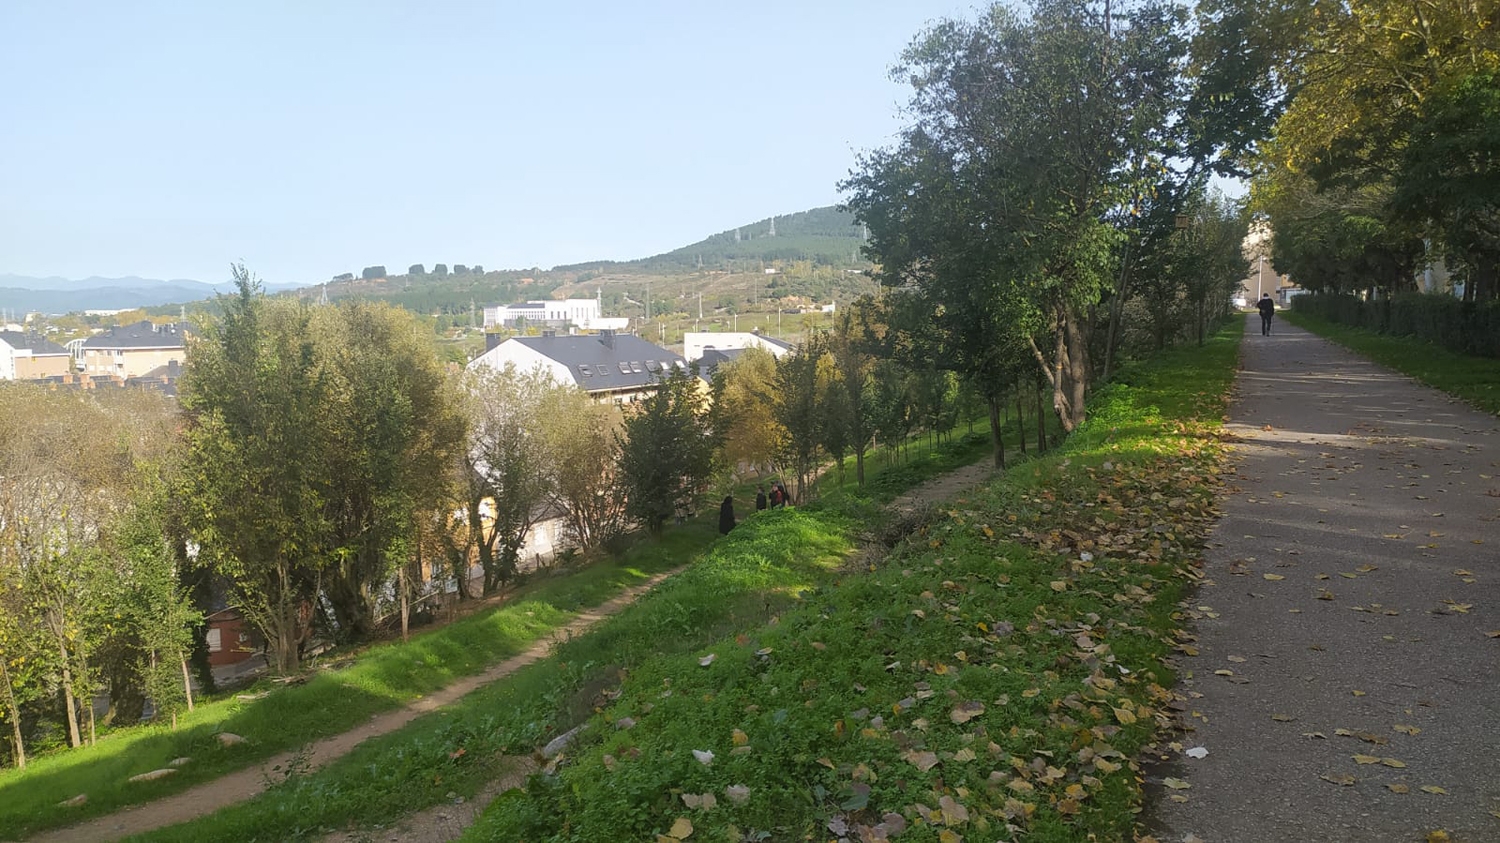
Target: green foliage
x,y
382,678
1431,319
313,437
798,410
667,450
1392,116
1001,235
983,653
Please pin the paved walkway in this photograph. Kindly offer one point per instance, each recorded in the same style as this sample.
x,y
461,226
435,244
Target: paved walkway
x,y
1347,629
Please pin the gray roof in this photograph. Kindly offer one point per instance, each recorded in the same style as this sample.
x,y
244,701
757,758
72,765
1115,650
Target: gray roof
x,y
596,366
142,334
713,358
36,344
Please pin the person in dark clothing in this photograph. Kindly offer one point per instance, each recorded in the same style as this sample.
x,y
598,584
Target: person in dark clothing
x,y
760,498
726,515
776,496
1267,309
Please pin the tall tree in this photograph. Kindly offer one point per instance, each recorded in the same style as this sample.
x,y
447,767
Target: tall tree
x,y
583,456
253,394
1029,132
797,409
666,451
511,478
391,426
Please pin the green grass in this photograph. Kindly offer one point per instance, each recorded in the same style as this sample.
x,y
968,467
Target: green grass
x,y
995,677
768,565
384,677
1473,379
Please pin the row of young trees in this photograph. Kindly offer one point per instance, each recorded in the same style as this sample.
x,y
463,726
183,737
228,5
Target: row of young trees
x,y
1049,200
1383,147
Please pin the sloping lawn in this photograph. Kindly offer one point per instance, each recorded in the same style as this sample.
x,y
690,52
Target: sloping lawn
x,y
995,676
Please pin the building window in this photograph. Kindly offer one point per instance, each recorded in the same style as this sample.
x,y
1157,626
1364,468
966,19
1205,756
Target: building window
x,y
215,640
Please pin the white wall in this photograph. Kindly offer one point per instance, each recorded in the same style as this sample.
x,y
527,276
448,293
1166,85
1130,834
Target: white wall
x,y
524,360
694,343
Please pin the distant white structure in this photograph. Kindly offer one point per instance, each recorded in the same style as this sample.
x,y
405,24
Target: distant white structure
x,y
583,314
695,344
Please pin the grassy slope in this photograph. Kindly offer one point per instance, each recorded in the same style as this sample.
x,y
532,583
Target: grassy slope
x,y
1003,669
383,678
764,567
1474,379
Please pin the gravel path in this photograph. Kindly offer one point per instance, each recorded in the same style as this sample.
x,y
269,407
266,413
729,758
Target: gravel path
x,y
1348,628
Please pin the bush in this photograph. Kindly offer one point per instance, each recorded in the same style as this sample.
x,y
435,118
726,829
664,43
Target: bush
x,y
1464,327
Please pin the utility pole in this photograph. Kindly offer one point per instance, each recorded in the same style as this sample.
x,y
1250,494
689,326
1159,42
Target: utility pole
x,y
700,306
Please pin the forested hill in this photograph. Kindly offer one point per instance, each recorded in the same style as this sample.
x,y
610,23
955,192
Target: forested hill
x,y
827,236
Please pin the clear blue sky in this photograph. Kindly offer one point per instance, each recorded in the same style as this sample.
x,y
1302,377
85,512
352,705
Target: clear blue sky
x,y
167,139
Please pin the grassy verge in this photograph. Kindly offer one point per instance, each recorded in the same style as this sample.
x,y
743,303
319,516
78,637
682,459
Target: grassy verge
x,y
767,566
995,678
382,678
1473,379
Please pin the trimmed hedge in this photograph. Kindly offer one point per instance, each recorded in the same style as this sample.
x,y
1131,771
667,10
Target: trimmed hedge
x,y
1465,327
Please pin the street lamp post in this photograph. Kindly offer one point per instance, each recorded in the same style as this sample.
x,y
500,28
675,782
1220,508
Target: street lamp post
x,y
1260,279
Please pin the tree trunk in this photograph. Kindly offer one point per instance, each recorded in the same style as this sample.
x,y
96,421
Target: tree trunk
x,y
859,466
93,735
187,680
1041,422
405,603
1116,313
996,428
1021,415
74,738
14,712
1077,352
202,595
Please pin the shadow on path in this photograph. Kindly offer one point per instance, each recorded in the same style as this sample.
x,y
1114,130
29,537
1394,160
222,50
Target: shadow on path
x,y
1352,595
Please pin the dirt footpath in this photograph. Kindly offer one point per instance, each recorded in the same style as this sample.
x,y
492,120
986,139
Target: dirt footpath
x,y
239,786
1346,685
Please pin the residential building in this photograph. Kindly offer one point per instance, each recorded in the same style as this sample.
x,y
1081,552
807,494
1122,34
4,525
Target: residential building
x,y
29,357
694,344
130,351
608,366
583,314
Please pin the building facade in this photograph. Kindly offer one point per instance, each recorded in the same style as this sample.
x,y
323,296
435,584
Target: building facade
x,y
608,366
131,351
28,357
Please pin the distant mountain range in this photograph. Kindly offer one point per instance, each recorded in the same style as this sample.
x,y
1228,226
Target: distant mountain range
x,y
24,293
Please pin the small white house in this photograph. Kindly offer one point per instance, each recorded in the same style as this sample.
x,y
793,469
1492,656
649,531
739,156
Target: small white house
x,y
608,366
696,343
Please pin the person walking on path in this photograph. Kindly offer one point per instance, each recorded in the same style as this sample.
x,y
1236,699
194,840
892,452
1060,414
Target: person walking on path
x,y
726,515
1267,309
760,497
1342,683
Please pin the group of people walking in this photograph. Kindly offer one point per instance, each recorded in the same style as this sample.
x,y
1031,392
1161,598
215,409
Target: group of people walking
x,y
777,498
